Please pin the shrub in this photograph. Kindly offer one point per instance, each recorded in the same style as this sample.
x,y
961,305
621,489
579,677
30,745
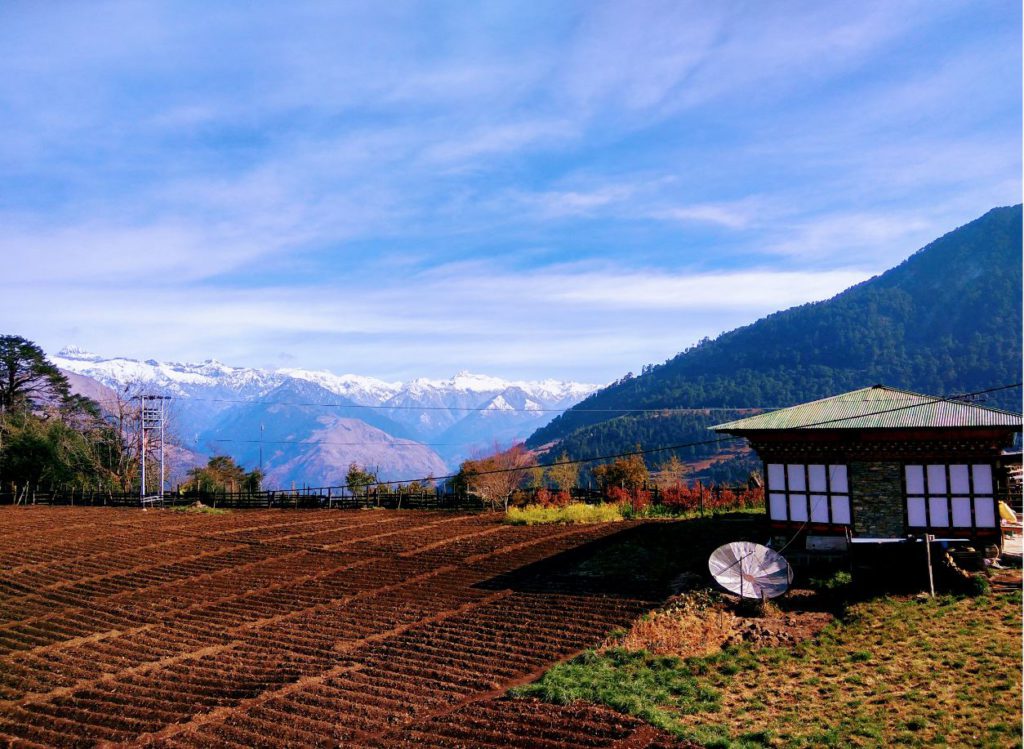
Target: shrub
x,y
979,585
561,499
681,498
576,512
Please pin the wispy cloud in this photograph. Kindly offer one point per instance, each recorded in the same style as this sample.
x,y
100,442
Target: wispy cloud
x,y
522,186
731,216
464,315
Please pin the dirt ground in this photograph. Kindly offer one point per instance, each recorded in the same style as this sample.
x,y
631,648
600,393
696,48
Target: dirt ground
x,y
299,628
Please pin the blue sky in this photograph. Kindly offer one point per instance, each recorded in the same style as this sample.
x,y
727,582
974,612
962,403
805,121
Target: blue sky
x,y
524,189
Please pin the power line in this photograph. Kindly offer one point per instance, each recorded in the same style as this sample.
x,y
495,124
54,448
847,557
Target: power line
x,y
413,443
385,407
406,443
698,443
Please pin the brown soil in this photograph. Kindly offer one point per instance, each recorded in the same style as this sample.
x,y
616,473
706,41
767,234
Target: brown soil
x,y
272,628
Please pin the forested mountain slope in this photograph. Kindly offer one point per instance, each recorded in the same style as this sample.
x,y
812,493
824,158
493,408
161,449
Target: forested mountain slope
x,y
947,320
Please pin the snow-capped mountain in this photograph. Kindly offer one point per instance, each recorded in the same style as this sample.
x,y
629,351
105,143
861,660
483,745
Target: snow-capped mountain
x,y
218,408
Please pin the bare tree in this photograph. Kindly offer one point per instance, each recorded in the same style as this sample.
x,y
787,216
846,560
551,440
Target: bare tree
x,y
122,407
496,477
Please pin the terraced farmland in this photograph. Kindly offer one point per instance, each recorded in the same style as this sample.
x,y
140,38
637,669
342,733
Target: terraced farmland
x,y
271,628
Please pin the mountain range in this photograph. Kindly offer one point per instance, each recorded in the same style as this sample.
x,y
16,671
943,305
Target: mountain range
x,y
306,427
945,321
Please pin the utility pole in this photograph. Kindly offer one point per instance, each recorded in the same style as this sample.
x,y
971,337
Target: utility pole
x,y
151,421
261,447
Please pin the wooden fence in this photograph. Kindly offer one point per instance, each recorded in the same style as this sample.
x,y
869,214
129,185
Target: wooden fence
x,y
342,498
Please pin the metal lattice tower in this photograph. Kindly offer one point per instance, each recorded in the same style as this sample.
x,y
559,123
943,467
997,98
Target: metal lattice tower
x,y
151,435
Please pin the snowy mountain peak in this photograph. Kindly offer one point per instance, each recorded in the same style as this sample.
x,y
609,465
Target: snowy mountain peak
x,y
76,352
363,390
181,378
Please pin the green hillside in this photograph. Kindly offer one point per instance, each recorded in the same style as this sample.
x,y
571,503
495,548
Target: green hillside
x,y
945,321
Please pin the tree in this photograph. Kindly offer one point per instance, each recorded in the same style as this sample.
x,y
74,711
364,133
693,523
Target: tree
x,y
221,474
27,379
359,479
563,474
48,436
628,472
122,445
50,452
670,473
495,477
253,481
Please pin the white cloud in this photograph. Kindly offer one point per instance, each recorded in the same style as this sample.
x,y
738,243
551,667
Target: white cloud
x,y
166,182
568,319
760,290
731,216
497,139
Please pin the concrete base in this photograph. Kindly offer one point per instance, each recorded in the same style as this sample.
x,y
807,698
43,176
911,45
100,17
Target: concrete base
x,y
1013,551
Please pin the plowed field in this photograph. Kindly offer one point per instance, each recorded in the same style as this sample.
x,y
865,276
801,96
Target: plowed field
x,y
274,628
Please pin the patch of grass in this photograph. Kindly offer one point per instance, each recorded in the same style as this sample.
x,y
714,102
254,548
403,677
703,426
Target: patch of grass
x,y
574,513
204,510
838,581
655,688
664,511
895,671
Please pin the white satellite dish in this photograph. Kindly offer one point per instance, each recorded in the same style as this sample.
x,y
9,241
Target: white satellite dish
x,y
750,570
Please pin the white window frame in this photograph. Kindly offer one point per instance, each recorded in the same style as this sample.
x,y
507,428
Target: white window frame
x,y
808,493
949,497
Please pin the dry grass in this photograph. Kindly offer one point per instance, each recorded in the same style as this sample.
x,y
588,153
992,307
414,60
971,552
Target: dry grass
x,y
694,624
898,672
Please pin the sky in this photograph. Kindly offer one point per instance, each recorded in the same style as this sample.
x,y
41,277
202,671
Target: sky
x,y
527,190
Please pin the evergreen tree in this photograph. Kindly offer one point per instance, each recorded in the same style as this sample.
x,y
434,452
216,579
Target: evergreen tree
x,y
28,380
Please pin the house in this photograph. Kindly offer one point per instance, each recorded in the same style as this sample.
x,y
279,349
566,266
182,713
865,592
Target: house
x,y
881,464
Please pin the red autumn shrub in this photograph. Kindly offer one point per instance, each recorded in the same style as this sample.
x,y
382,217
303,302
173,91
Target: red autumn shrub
x,y
617,495
680,497
561,499
640,499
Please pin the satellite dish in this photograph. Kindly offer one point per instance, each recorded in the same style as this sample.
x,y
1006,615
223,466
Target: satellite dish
x,y
750,570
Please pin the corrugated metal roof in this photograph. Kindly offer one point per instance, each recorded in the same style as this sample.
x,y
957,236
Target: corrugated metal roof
x,y
877,407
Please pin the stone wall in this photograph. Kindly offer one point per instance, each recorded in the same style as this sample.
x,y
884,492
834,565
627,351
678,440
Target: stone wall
x,y
876,498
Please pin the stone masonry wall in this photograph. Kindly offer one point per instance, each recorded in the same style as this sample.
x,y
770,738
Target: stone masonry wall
x,y
876,498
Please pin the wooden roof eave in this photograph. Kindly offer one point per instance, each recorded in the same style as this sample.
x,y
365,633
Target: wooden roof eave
x,y
818,434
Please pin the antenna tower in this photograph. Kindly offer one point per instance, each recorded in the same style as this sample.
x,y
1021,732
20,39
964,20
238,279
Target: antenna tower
x,y
151,435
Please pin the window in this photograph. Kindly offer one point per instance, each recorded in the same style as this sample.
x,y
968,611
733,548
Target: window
x,y
816,493
950,496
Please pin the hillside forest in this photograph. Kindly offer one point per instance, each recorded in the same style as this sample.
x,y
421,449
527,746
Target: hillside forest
x,y
946,321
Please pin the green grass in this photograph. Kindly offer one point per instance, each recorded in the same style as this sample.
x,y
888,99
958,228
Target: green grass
x,y
648,686
201,510
945,671
577,512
